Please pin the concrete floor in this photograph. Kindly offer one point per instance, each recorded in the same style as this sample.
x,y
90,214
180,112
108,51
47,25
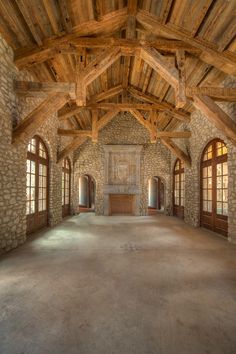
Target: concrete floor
x,y
119,285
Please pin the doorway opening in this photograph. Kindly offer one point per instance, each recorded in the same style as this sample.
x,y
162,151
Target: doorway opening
x,y
86,194
156,195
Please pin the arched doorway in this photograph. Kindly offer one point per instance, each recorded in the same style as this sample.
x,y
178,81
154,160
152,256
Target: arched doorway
x,y
214,187
86,193
179,189
66,187
37,181
156,195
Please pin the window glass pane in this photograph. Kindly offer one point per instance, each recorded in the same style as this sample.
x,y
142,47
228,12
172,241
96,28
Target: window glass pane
x,y
209,206
225,208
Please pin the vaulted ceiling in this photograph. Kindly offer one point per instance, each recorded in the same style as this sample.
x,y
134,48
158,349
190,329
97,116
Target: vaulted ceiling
x,y
143,56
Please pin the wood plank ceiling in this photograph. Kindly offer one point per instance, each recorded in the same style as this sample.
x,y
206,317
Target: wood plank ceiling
x,y
203,24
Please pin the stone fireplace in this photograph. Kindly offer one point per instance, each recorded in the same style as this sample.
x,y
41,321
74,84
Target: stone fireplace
x,y
122,179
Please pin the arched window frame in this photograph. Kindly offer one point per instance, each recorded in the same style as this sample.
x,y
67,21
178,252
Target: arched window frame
x,y
37,184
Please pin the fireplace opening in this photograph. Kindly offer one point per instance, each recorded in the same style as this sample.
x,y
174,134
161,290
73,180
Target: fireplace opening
x,y
121,204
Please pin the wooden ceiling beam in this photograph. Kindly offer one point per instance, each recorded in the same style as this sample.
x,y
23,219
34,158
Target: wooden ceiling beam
x,y
26,57
181,99
176,151
100,64
217,93
94,126
127,106
71,147
163,106
216,116
113,91
223,61
29,125
160,65
40,89
73,132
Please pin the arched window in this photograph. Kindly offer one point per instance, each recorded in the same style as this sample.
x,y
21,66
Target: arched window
x,y
66,185
37,185
179,188
214,187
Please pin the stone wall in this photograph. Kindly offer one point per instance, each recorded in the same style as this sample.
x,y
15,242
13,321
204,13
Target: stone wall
x,y
13,157
123,129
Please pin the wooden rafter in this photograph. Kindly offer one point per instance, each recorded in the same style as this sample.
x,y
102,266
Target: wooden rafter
x,y
162,106
127,106
51,46
94,126
93,70
160,65
176,150
73,145
29,126
223,61
216,116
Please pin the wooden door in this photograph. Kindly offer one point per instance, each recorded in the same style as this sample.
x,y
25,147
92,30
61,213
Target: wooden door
x,y
214,188
179,189
121,204
37,185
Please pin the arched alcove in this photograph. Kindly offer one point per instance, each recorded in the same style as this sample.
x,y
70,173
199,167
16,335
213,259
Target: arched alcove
x,y
156,195
86,193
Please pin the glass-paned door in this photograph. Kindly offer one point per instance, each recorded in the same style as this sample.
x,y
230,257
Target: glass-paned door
x,y
179,188
36,185
66,186
214,187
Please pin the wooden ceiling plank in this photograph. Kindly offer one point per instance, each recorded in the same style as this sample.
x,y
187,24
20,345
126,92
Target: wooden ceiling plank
x,y
50,13
28,20
29,126
176,151
223,61
216,116
167,4
67,23
75,143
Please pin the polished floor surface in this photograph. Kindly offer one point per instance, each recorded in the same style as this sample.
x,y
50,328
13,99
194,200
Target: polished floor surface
x,y
119,285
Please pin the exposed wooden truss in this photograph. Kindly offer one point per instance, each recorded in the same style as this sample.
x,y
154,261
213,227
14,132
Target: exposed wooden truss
x,y
223,61
124,55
